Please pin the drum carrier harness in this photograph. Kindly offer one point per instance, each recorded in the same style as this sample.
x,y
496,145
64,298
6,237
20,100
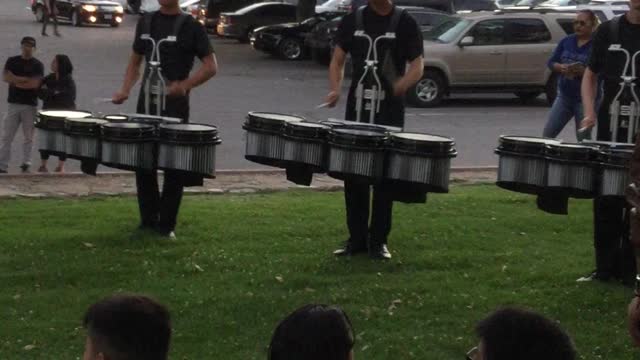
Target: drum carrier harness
x,y
625,108
154,83
369,91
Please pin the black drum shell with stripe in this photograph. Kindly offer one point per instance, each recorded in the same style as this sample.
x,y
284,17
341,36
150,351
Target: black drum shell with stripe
x,y
188,147
614,161
265,139
306,145
357,155
572,169
420,160
522,163
83,138
50,125
128,146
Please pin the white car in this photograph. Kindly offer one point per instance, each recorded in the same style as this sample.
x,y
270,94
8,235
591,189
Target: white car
x,y
152,5
328,6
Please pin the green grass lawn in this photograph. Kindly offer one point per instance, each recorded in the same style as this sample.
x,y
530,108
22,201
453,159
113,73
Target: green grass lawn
x,y
243,262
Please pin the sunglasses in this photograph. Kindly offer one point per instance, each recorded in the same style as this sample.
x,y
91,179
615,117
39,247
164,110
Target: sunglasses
x,y
473,353
579,22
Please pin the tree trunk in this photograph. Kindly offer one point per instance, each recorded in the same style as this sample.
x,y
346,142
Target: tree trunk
x,y
306,9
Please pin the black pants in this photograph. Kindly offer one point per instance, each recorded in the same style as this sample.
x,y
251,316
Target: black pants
x,y
45,20
613,251
356,196
156,209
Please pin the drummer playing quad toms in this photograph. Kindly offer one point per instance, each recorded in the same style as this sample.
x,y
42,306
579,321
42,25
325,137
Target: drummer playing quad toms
x,y
160,212
379,20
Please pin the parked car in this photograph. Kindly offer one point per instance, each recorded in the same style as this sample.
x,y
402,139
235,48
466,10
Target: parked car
x,y
187,6
287,40
330,6
81,12
238,25
557,3
603,12
490,52
210,10
320,39
449,6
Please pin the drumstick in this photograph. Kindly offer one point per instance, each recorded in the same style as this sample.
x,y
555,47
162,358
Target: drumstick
x,y
583,129
323,105
102,100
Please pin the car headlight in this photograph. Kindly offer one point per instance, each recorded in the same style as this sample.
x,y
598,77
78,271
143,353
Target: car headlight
x,y
119,9
89,8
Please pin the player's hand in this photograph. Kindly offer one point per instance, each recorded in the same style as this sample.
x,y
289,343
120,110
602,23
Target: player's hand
x,y
588,122
634,320
177,88
119,97
332,98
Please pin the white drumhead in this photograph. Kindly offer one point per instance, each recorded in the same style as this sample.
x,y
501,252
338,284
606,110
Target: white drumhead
x,y
88,120
422,137
279,117
189,127
65,113
531,139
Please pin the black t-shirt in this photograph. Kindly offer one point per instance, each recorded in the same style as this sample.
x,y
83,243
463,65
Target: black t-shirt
x,y
408,42
31,68
177,59
607,64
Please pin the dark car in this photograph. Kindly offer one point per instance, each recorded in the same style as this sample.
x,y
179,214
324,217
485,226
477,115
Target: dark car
x,y
210,10
239,24
287,40
320,40
80,12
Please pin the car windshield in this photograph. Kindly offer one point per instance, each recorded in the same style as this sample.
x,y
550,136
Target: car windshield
x,y
448,31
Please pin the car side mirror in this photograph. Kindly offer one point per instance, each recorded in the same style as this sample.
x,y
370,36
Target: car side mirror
x,y
466,41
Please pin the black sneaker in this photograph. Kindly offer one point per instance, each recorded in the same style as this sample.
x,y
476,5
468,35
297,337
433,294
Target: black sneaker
x,y
379,252
25,167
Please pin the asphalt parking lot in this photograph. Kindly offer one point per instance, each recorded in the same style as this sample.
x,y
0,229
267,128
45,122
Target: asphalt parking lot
x,y
249,80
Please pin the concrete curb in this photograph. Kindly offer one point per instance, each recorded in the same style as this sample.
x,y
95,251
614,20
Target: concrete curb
x,y
228,172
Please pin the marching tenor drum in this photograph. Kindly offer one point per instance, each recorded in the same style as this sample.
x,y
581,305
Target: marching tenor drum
x,y
421,159
305,144
614,162
83,138
128,146
188,147
522,166
151,119
572,168
50,125
356,154
265,140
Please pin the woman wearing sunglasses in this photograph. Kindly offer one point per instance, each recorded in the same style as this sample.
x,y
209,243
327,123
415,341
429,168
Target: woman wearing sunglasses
x,y
568,61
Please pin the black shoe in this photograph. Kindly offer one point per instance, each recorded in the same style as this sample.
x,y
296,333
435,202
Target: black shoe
x,y
380,252
3,171
25,167
349,249
44,34
595,275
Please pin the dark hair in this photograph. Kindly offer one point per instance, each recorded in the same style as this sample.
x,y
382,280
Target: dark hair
x,y
595,20
313,332
64,65
511,333
129,327
28,40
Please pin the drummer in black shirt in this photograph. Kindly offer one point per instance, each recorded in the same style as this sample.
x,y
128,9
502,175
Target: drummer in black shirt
x,y
407,48
614,258
160,211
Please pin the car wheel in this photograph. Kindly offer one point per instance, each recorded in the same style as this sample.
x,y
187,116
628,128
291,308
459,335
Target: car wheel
x,y
245,38
429,91
291,49
551,91
527,96
39,13
75,19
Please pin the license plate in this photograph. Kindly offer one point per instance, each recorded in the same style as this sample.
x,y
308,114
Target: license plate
x,y
108,16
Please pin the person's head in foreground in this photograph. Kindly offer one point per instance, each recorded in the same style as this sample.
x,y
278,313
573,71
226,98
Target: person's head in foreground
x,y
127,327
313,332
510,334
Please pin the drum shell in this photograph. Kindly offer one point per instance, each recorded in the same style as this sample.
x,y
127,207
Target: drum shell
x,y
572,169
306,146
51,136
265,143
522,165
83,139
52,141
128,147
357,157
189,151
614,172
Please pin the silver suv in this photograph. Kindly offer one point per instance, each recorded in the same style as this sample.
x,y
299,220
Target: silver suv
x,y
491,52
